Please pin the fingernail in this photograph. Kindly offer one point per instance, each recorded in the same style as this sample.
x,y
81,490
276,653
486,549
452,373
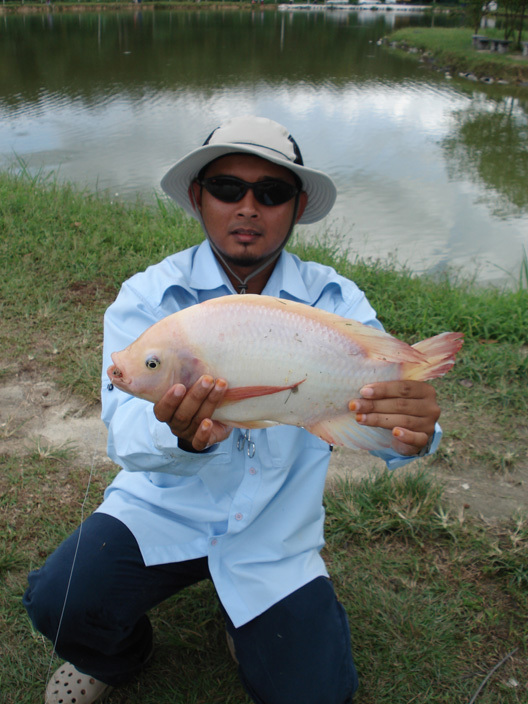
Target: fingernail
x,y
361,417
397,432
207,382
353,406
206,424
367,391
178,391
220,384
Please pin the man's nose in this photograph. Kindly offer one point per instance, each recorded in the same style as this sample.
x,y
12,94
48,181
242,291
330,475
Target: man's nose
x,y
249,205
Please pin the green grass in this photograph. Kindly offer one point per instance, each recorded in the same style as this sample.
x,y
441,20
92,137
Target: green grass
x,y
452,48
428,607
67,254
434,601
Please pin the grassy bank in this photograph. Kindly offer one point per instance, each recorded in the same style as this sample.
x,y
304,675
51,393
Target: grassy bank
x,y
435,601
451,49
68,252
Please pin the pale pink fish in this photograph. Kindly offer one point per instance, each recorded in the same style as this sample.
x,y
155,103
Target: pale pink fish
x,y
285,363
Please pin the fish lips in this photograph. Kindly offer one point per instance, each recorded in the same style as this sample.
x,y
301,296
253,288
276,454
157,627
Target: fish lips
x,y
116,375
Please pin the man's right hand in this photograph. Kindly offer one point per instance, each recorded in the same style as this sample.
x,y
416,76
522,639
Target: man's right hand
x,y
188,413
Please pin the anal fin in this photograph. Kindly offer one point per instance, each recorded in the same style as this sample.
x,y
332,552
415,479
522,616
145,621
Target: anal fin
x,y
344,431
251,424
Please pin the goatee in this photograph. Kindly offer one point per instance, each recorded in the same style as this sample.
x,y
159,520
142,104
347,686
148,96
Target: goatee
x,y
244,261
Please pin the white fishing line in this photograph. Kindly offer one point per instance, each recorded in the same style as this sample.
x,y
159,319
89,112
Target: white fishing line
x,y
74,560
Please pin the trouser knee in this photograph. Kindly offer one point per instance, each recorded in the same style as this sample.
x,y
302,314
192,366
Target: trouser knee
x,y
44,600
299,650
77,600
75,586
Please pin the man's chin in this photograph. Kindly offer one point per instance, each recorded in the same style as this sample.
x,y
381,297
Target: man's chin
x,y
244,262
247,258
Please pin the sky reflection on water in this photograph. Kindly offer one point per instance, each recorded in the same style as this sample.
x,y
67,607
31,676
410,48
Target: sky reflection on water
x,y
383,139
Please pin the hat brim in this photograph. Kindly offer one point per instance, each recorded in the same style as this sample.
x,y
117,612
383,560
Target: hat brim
x,y
319,187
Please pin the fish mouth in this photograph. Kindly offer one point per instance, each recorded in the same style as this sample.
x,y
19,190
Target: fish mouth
x,y
116,375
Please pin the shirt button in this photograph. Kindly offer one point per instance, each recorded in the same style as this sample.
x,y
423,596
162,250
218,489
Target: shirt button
x,y
239,516
214,541
252,470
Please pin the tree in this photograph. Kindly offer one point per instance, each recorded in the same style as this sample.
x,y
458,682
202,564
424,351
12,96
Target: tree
x,y
476,10
514,14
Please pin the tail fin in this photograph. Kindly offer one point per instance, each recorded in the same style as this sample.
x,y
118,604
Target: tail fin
x,y
440,352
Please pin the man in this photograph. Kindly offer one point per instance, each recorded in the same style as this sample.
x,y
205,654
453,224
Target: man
x,y
197,500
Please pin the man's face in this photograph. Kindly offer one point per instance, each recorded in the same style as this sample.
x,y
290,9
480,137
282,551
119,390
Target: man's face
x,y
246,232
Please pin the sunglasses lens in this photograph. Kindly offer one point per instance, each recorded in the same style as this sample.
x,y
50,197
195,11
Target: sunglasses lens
x,y
230,190
274,192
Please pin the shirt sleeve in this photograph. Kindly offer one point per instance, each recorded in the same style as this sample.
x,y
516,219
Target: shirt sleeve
x,y
352,303
137,441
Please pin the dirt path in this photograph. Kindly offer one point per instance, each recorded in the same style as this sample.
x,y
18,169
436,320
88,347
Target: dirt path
x,y
37,414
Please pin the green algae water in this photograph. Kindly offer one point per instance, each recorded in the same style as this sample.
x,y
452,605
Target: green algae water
x,y
431,172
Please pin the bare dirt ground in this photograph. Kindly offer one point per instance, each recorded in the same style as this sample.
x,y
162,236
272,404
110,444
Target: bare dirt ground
x,y
36,415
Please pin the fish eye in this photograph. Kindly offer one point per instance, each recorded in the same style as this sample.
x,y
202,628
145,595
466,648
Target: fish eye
x,y
152,362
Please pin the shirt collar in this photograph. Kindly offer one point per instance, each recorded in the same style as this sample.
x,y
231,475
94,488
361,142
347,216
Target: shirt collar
x,y
207,274
286,280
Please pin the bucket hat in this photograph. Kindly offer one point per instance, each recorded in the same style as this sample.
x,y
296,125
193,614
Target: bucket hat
x,y
261,137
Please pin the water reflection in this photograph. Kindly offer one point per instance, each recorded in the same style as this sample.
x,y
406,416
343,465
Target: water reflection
x,y
490,143
111,100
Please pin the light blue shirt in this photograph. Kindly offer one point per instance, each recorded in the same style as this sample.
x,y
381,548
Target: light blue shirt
x,y
253,505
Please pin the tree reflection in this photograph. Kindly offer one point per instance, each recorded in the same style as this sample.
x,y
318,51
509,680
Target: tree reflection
x,y
87,55
490,144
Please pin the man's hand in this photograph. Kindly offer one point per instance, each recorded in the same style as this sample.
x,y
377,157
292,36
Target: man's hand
x,y
408,408
188,413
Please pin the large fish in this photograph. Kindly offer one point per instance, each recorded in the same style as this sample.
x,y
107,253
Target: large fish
x,y
284,362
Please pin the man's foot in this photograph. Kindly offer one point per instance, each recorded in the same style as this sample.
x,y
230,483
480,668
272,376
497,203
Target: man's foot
x,y
69,686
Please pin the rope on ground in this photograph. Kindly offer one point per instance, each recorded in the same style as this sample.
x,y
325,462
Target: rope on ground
x,y
83,505
490,673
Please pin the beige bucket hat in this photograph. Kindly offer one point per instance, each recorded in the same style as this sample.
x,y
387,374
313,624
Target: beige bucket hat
x,y
261,137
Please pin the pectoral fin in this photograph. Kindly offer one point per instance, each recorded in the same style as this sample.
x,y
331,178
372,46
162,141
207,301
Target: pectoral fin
x,y
243,392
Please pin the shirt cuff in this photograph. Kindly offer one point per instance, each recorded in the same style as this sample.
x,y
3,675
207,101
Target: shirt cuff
x,y
167,443
400,460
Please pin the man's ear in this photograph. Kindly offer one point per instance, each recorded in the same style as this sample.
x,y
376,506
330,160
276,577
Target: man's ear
x,y
195,195
303,201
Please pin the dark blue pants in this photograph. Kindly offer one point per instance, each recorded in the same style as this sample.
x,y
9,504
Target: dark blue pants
x,y
297,651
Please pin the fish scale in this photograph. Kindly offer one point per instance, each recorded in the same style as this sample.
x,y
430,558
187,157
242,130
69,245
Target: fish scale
x,y
286,348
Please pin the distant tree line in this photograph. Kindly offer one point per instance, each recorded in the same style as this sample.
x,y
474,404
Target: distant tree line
x,y
513,12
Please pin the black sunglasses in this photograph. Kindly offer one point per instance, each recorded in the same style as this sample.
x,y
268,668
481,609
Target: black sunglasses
x,y
230,189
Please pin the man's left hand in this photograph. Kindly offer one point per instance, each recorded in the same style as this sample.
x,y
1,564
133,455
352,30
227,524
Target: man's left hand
x,y
407,408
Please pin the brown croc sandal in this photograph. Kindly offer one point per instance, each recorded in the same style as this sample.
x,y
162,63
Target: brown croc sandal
x,y
69,686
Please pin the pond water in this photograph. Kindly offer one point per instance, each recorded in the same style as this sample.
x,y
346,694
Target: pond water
x,y
430,171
